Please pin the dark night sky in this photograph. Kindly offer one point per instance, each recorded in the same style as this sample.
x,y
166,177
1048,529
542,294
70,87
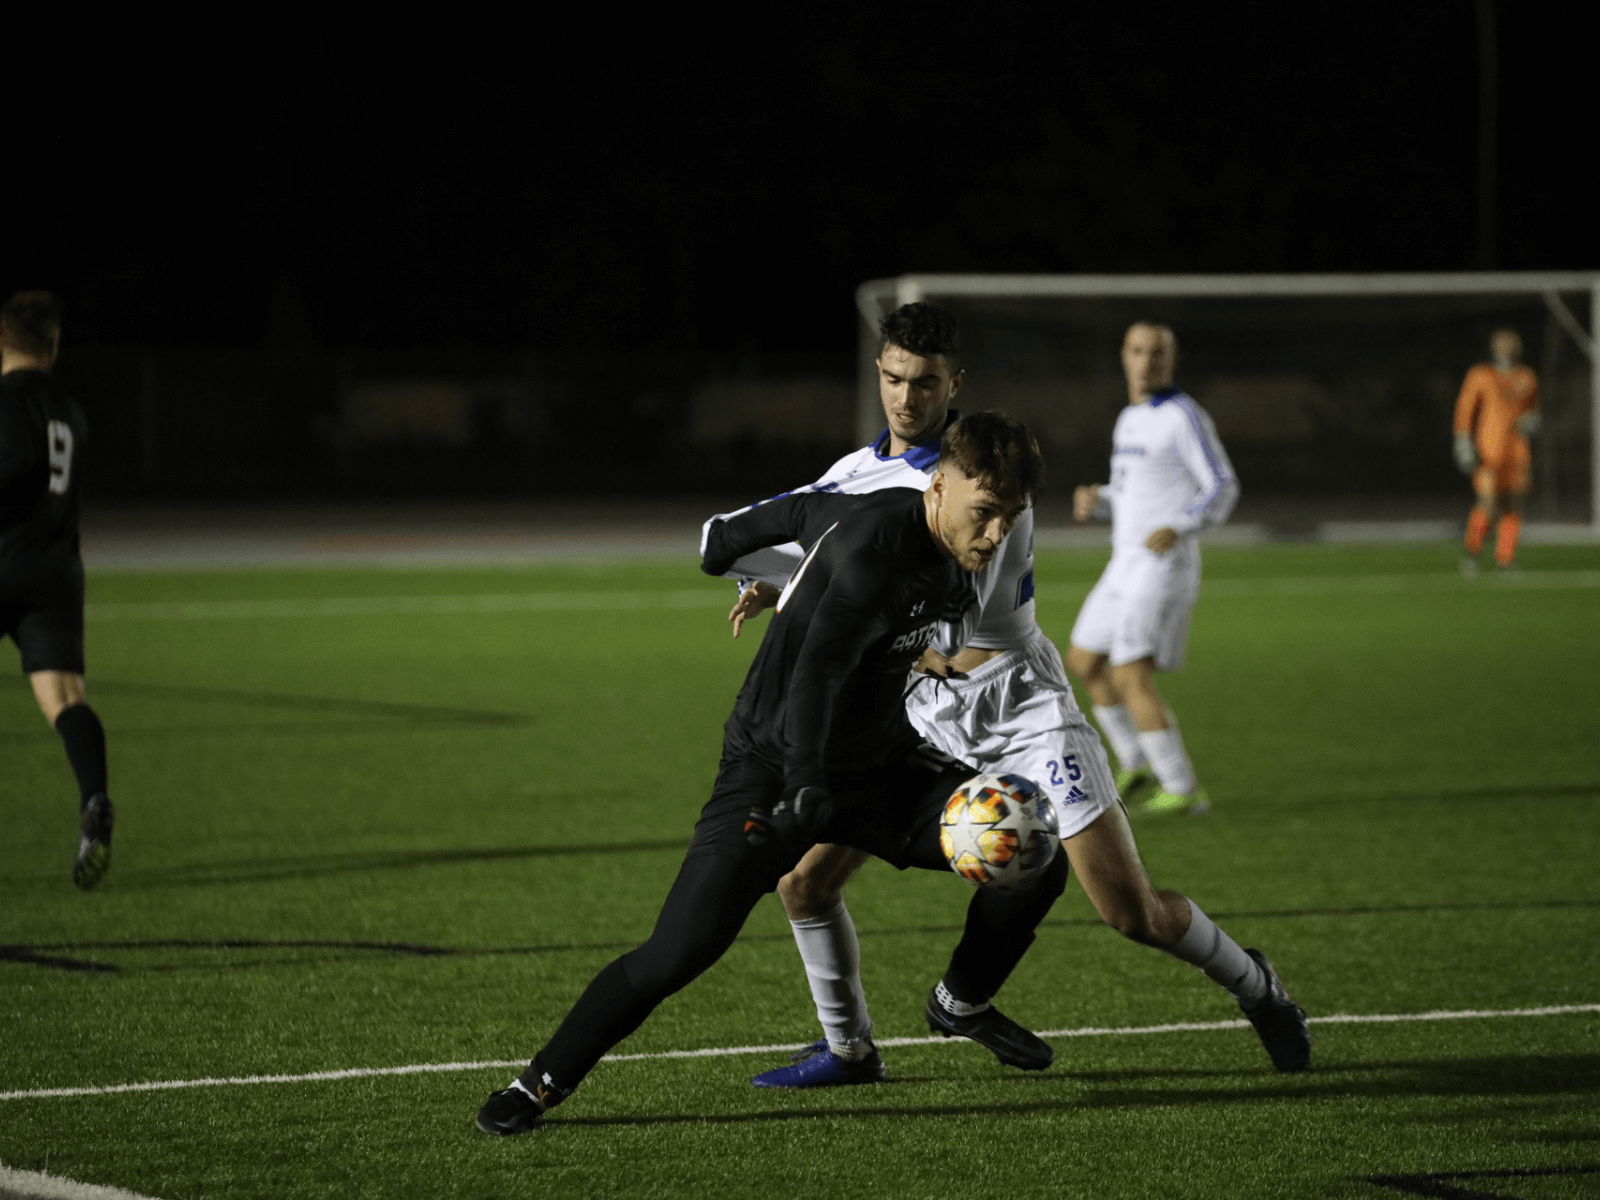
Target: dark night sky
x,y
704,185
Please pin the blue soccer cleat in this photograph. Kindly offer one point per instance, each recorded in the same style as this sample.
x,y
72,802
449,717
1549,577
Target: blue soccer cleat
x,y
818,1066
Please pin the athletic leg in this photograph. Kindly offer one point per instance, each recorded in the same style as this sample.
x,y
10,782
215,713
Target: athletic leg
x,y
999,928
1088,657
1509,528
1106,860
703,913
50,638
1482,515
1159,736
1115,719
721,879
813,897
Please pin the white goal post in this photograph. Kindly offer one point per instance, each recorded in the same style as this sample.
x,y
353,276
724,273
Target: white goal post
x,y
1545,289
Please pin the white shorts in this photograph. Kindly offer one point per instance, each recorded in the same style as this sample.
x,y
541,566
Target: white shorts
x,y
1140,608
1016,715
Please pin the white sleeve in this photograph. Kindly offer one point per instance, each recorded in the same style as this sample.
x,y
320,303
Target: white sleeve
x,y
1202,452
1005,590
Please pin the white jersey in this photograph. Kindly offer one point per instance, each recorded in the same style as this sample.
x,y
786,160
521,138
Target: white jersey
x,y
1004,617
1168,470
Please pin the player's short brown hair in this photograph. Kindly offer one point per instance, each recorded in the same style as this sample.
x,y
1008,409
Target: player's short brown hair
x,y
923,328
997,451
30,322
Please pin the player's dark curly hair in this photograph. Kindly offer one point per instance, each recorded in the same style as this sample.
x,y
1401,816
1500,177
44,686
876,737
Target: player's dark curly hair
x,y
30,322
924,328
997,451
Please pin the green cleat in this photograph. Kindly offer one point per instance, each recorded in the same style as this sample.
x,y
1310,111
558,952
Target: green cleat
x,y
1193,804
1135,786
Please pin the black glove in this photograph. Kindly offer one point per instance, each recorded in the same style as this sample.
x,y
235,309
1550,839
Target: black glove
x,y
797,818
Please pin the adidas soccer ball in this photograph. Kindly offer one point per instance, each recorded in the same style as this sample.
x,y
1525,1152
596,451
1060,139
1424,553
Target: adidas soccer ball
x,y
999,831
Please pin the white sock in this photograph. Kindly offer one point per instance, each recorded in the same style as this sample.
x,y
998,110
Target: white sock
x,y
1116,722
1169,760
957,1008
832,955
1220,957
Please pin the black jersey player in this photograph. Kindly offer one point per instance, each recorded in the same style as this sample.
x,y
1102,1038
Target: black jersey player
x,y
41,574
819,748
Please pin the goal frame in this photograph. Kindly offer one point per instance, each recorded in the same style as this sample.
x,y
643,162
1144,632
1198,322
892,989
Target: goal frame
x,y
877,297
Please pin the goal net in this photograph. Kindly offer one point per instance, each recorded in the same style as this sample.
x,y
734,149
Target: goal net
x,y
1333,393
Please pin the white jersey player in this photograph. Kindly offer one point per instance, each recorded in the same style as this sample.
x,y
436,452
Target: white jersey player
x,y
1002,703
1170,478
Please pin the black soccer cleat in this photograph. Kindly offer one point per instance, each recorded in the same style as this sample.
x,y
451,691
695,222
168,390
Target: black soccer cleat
x,y
1011,1043
94,842
1279,1022
509,1112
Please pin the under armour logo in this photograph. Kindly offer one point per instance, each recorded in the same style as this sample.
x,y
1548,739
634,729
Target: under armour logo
x,y
916,609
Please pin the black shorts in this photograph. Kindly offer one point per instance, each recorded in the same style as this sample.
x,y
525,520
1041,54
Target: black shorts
x,y
41,610
890,812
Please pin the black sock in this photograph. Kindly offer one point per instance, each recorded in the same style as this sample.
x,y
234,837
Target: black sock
x,y
85,740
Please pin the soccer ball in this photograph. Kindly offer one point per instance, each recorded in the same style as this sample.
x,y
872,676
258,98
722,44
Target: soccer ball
x,y
999,831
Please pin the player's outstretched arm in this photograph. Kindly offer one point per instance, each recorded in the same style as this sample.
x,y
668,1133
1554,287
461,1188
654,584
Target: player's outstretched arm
x,y
727,540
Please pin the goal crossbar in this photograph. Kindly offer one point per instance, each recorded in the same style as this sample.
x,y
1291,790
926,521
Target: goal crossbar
x,y
876,297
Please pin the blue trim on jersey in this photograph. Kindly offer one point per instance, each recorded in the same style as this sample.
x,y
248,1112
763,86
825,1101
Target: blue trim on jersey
x,y
1202,502
1024,589
1157,399
923,454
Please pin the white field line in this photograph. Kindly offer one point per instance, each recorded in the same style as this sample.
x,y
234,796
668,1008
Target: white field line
x,y
387,606
162,1085
36,1185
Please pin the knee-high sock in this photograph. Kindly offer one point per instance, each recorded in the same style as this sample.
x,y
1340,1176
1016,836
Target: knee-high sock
x,y
1477,529
1206,947
832,956
1505,539
1169,760
1116,722
85,740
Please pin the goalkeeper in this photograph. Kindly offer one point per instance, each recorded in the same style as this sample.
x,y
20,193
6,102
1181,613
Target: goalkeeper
x,y
1497,410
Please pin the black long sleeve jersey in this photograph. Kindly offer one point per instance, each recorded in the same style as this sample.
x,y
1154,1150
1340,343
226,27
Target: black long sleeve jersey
x,y
41,439
826,690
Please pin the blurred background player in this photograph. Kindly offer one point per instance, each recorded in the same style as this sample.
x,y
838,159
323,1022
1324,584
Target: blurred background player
x,y
1003,704
41,574
1497,410
1170,478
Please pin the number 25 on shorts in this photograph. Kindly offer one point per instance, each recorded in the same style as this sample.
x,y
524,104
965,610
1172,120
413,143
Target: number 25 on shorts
x,y
1069,764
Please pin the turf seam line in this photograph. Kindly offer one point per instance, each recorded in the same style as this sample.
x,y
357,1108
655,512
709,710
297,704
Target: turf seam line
x,y
160,1085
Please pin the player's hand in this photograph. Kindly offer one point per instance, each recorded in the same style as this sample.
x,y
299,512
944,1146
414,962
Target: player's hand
x,y
1084,501
756,598
934,663
802,814
1162,540
1466,454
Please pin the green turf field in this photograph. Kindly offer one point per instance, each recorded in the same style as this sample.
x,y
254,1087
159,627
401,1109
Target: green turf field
x,y
378,818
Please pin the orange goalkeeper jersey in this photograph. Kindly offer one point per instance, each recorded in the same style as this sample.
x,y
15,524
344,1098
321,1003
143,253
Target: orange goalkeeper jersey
x,y
1491,401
